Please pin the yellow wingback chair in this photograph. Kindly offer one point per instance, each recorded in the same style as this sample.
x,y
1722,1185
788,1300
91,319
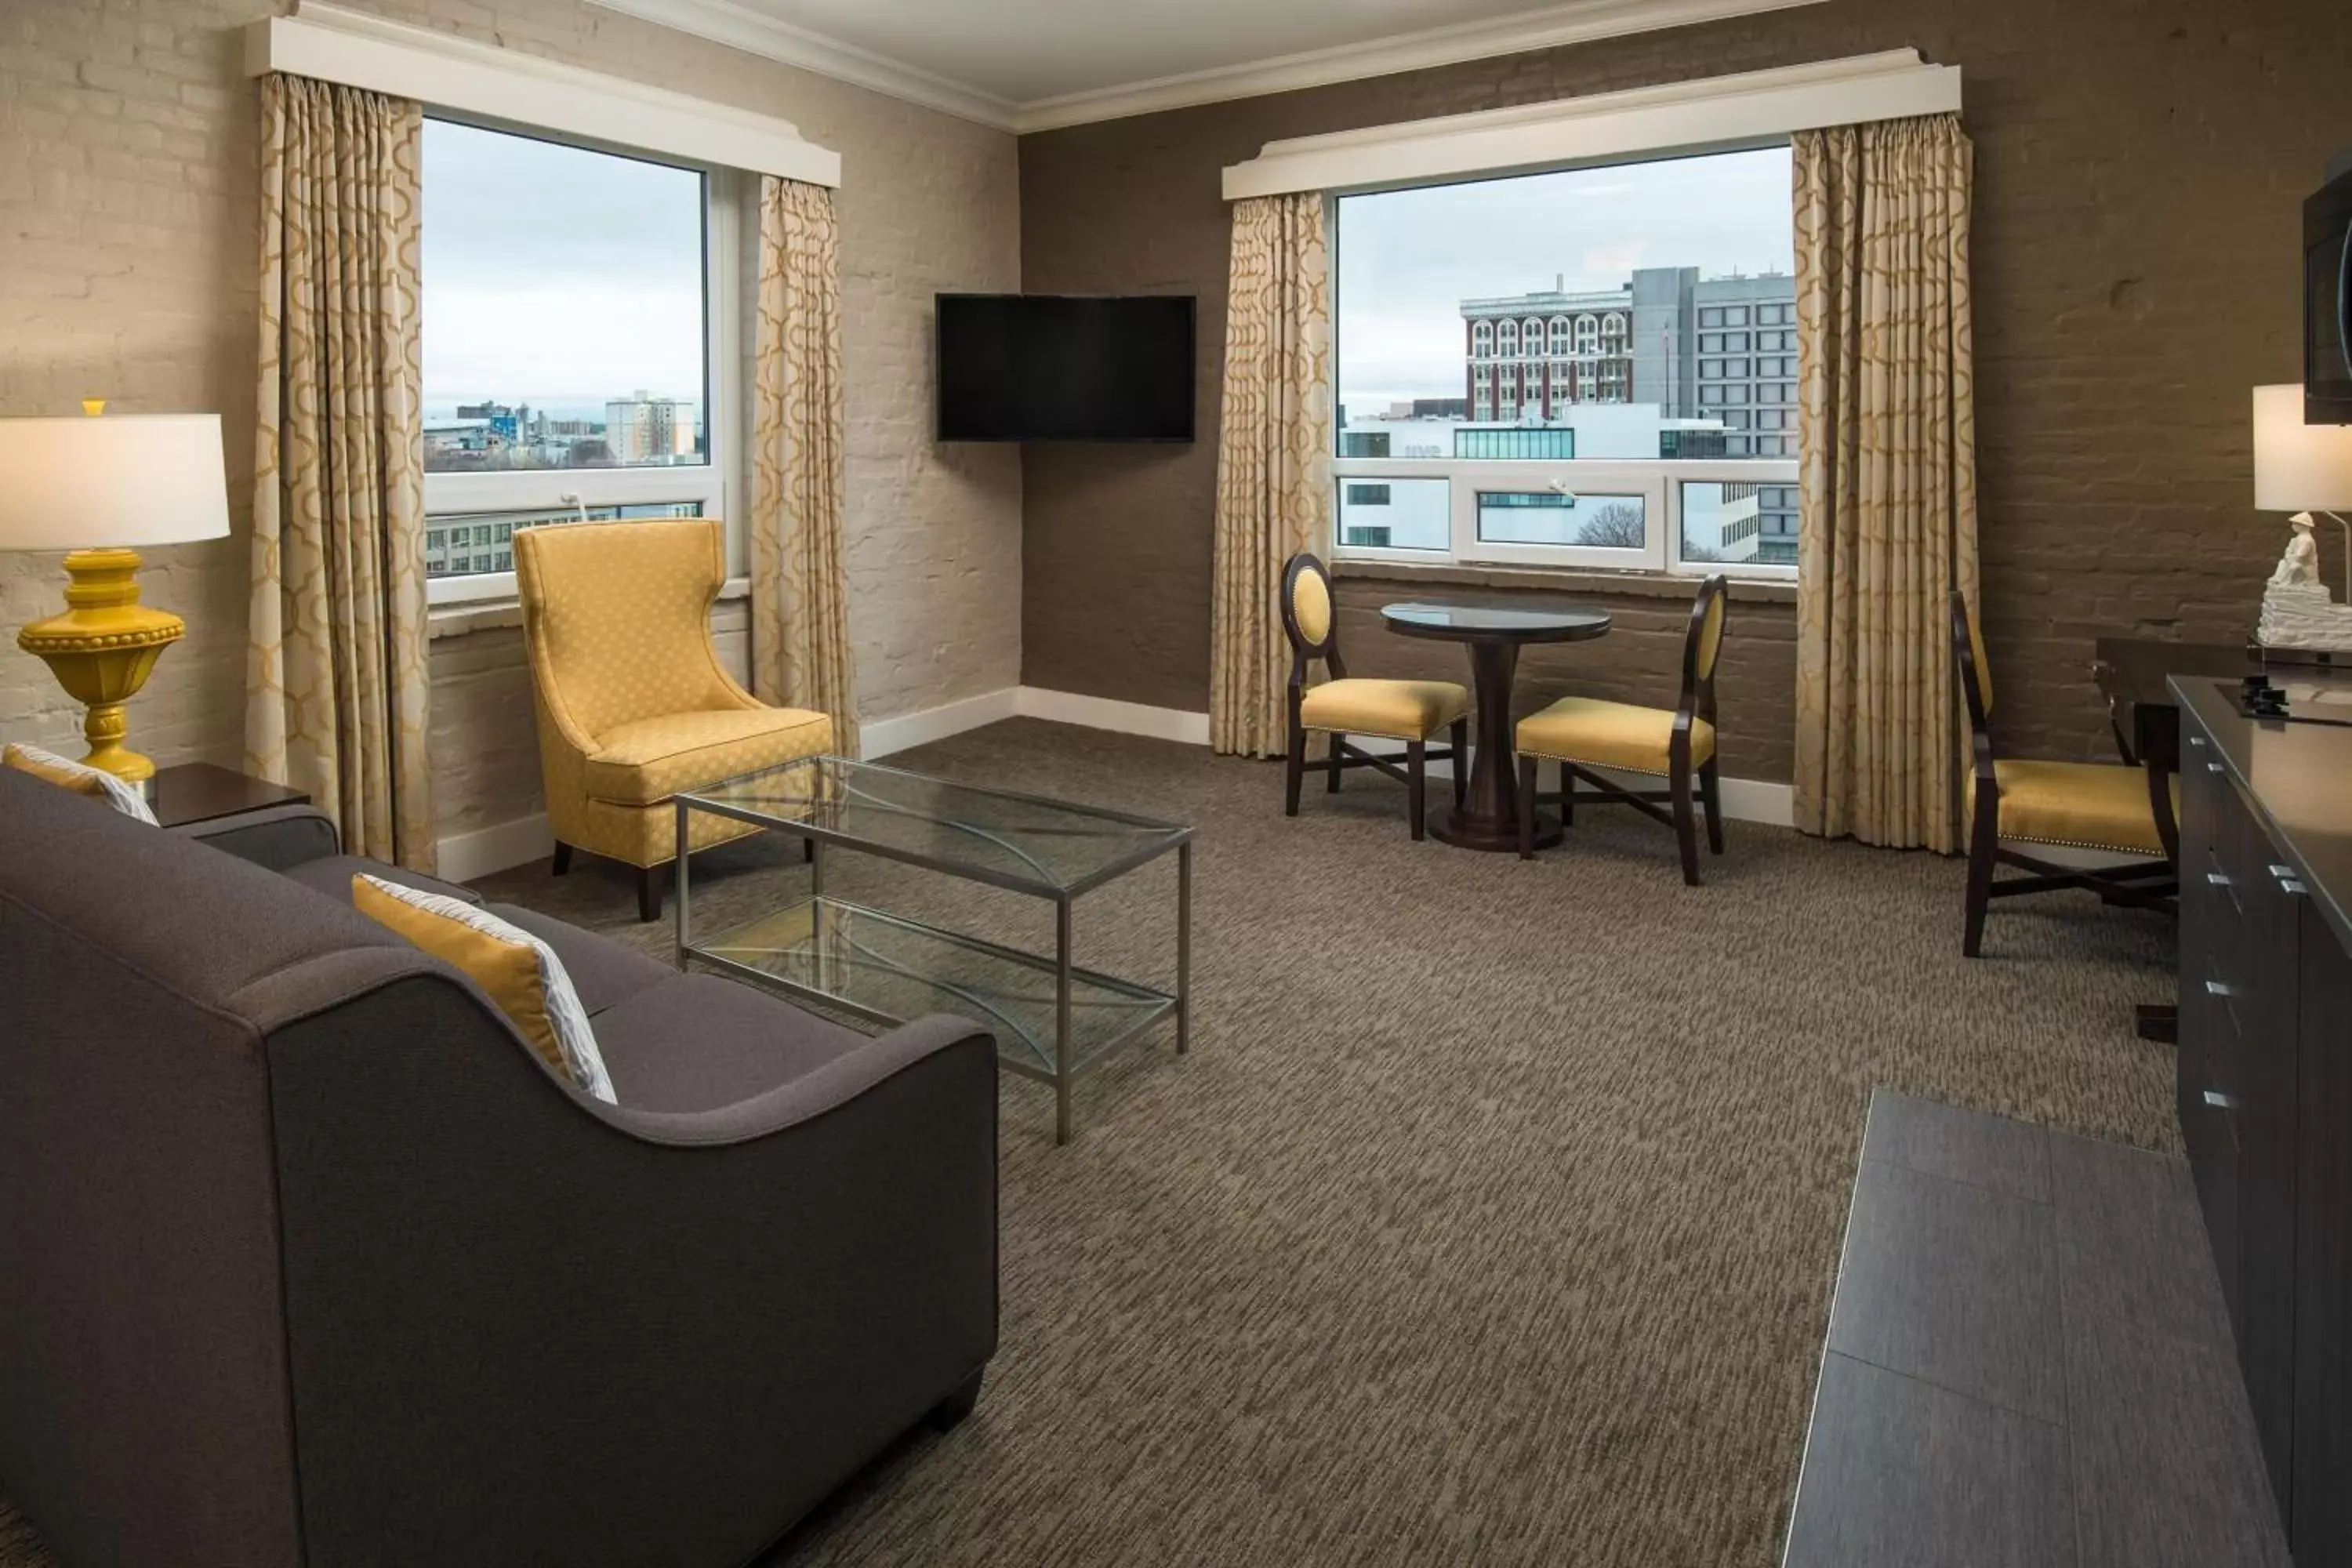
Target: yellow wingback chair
x,y
634,705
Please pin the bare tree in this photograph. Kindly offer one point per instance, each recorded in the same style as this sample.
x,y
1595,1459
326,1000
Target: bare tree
x,y
1615,526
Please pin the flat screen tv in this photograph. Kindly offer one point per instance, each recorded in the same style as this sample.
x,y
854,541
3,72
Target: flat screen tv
x,y
1064,367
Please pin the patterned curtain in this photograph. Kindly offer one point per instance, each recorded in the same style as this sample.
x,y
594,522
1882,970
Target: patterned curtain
x,y
1888,520
1274,458
335,673
800,583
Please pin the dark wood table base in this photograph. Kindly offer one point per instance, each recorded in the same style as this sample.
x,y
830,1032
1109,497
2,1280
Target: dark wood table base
x,y
1467,832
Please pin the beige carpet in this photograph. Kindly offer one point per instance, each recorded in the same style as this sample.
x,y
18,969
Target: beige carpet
x,y
1493,1217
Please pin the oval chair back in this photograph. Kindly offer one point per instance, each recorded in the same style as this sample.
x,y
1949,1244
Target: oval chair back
x,y
1702,651
1976,675
1310,618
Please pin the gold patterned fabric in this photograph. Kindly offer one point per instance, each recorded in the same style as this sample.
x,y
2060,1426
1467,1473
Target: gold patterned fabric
x,y
632,704
1404,709
1611,735
336,678
800,581
1888,523
1274,460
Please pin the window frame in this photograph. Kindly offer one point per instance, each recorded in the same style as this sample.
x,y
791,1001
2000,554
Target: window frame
x,y
718,484
1660,482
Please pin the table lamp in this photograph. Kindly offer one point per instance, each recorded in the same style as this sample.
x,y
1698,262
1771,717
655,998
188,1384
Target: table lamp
x,y
2299,468
98,485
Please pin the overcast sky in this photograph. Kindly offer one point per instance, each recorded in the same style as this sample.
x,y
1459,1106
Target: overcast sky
x,y
1408,259
557,275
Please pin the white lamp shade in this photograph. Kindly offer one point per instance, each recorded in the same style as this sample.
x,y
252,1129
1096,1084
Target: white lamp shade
x,y
2298,466
112,479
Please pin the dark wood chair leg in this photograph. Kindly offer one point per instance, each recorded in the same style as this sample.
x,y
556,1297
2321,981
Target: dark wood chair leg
x,y
1567,796
1710,794
651,882
1982,846
1294,771
562,865
1686,830
808,851
1416,773
1461,762
948,1413
1526,808
1339,748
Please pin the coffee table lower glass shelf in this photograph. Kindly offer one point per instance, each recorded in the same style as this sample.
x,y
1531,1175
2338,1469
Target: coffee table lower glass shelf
x,y
888,969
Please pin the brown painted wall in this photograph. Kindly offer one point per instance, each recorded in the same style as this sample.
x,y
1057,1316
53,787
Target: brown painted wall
x,y
2140,167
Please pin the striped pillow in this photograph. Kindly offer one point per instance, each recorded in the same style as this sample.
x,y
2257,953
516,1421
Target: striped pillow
x,y
80,778
518,971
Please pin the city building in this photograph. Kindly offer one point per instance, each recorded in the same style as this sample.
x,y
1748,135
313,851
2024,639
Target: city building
x,y
649,429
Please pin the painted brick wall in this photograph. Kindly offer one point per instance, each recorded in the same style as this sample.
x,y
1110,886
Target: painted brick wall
x,y
127,169
2140,169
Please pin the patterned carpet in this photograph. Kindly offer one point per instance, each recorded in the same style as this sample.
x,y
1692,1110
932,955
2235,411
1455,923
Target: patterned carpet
x,y
1491,1219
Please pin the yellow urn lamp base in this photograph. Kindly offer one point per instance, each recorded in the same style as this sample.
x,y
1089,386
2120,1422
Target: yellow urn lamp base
x,y
102,650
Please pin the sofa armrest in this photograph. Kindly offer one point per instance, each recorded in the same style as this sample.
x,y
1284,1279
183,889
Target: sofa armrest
x,y
275,838
723,1315
829,1088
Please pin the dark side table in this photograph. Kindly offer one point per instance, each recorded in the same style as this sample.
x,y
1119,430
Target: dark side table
x,y
201,792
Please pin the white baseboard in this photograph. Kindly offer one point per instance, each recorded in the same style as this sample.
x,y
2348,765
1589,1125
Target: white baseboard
x,y
884,736
1105,713
1744,800
466,855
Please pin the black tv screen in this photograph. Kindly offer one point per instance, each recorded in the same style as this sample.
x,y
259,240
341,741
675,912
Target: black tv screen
x,y
1064,367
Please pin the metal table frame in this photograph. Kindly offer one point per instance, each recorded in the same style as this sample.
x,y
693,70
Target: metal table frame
x,y
1066,1070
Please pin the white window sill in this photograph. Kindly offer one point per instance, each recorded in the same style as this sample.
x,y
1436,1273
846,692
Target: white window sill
x,y
464,618
1775,590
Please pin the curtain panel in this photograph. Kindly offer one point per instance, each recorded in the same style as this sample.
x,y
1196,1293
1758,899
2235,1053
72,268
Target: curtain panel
x,y
1887,525
799,581
336,679
1274,458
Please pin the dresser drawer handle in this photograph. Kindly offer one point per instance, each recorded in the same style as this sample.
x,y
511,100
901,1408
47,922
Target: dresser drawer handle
x,y
2198,742
2218,1100
2216,988
2216,878
2213,768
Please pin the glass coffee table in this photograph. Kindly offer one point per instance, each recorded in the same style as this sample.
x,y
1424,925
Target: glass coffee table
x,y
1052,1019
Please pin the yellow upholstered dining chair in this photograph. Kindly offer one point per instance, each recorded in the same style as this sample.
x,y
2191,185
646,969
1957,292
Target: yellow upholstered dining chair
x,y
1407,711
1582,733
634,705
2082,805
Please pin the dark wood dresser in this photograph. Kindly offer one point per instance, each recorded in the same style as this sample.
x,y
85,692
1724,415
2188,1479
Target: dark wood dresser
x,y
2265,1078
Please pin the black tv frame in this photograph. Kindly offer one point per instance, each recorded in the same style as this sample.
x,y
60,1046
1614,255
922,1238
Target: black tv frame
x,y
1192,405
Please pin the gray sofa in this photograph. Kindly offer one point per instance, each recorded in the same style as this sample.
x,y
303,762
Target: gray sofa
x,y
306,1259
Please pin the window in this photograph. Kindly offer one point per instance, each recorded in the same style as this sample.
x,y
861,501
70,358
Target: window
x,y
1368,495
1597,446
572,363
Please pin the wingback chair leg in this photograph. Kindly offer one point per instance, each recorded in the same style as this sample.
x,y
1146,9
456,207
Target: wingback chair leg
x,y
651,882
1338,746
1526,808
1461,762
1416,773
1567,796
1710,794
561,866
1295,772
1686,830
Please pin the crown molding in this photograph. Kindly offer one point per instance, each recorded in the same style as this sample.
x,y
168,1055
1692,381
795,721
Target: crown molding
x,y
1578,22
743,27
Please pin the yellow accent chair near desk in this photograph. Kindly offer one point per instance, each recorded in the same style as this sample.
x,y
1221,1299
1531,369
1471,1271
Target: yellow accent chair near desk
x,y
95,486
1582,733
634,705
1408,710
2080,805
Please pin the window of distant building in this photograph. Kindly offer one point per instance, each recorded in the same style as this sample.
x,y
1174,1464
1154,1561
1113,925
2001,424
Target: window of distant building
x,y
573,367
1598,446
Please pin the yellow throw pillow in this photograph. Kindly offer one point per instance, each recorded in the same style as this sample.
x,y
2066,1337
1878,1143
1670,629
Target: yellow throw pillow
x,y
80,778
520,973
